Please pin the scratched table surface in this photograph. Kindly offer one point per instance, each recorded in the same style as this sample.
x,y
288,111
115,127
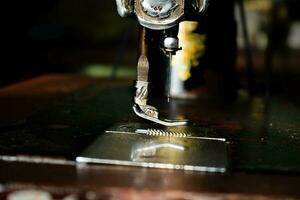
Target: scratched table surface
x,y
47,121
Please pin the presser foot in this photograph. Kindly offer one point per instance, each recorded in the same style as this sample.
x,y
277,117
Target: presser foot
x,y
150,113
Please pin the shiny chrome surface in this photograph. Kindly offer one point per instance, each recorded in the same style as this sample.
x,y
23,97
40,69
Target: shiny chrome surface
x,y
170,44
159,15
151,114
199,5
132,149
158,8
125,7
141,93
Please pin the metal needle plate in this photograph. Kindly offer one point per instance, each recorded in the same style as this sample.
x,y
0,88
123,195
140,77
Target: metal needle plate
x,y
137,149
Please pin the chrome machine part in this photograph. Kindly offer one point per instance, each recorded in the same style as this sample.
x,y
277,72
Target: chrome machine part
x,y
170,44
141,94
146,111
159,9
125,7
142,87
199,5
141,98
155,15
150,113
159,15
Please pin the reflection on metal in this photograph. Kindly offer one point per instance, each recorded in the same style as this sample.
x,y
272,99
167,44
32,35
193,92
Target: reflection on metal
x,y
159,15
162,14
137,149
151,150
199,5
125,7
159,9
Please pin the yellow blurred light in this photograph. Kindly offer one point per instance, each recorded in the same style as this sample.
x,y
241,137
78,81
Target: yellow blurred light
x,y
192,48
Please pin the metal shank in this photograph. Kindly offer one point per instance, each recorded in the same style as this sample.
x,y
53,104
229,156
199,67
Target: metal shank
x,y
142,87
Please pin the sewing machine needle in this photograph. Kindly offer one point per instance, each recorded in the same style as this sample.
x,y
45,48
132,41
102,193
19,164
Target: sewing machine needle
x,y
169,76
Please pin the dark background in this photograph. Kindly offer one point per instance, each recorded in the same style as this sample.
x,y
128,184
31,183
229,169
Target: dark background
x,y
62,36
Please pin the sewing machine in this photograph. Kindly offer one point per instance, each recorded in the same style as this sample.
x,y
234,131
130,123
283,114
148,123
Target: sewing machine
x,y
164,18
57,118
165,143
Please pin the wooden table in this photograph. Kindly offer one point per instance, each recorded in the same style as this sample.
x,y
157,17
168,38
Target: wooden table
x,y
45,122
